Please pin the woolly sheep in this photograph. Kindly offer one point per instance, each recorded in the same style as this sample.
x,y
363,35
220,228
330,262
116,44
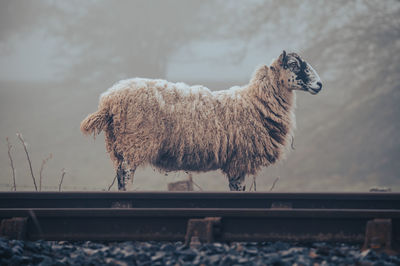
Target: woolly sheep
x,y
174,126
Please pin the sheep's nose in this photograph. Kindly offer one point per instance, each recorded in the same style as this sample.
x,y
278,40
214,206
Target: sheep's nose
x,y
320,85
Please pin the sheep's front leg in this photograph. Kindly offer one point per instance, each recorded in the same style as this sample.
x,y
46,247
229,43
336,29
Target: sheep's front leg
x,y
237,183
125,176
129,179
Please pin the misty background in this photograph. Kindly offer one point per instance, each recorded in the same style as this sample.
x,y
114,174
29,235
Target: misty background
x,y
57,57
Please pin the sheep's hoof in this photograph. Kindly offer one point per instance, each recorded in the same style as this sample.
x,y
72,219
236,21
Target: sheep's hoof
x,y
237,187
123,188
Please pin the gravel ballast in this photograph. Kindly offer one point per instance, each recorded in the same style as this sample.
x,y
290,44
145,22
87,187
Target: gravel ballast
x,y
17,252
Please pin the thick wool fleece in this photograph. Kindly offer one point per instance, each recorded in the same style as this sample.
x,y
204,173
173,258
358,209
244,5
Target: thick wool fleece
x,y
177,127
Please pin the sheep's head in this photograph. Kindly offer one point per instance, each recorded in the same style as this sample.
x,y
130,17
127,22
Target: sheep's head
x,y
297,74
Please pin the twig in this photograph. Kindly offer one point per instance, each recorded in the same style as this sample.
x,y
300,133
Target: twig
x,y
41,170
115,178
194,183
29,160
253,184
292,144
11,164
273,184
190,177
62,178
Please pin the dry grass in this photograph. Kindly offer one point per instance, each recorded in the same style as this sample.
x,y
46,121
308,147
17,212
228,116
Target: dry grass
x,y
44,161
9,146
110,186
62,179
29,160
253,184
273,184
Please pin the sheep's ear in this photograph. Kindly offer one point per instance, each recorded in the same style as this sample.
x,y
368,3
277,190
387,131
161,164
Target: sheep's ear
x,y
283,58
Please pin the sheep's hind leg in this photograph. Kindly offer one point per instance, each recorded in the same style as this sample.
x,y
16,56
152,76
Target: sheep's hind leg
x,y
125,176
237,183
121,178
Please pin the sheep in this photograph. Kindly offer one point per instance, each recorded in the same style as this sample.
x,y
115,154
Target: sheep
x,y
173,126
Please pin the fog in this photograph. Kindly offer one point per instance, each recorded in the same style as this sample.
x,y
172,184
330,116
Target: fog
x,y
56,58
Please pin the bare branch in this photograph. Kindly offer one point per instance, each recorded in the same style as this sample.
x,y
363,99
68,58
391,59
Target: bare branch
x,y
62,179
41,170
273,184
11,164
115,178
29,160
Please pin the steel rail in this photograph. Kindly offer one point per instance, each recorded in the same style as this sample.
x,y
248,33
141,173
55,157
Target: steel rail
x,y
172,224
372,200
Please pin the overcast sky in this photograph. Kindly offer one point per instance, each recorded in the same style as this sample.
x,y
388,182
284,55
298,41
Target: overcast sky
x,y
33,54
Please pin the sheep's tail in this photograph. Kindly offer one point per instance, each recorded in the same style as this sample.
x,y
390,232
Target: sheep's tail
x,y
95,123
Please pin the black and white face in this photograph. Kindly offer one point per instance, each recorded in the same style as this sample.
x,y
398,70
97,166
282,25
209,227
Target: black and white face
x,y
299,74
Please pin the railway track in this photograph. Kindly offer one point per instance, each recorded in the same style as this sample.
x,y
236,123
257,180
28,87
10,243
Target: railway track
x,y
369,218
376,200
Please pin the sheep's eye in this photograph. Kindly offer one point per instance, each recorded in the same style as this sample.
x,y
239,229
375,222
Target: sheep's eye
x,y
294,66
